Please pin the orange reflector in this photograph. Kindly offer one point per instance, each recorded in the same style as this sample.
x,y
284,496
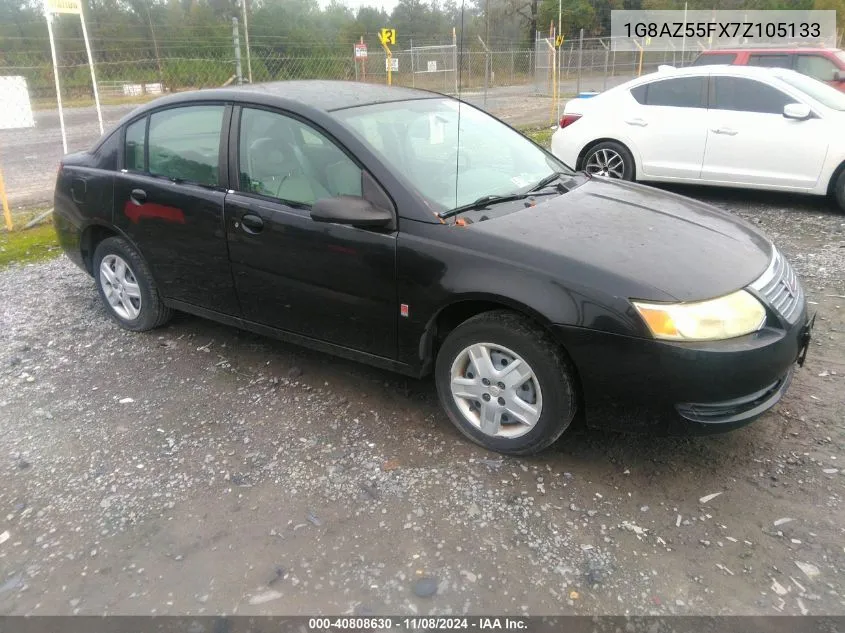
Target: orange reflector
x,y
659,321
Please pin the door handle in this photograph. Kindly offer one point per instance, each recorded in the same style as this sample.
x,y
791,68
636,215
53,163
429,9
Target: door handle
x,y
723,130
252,223
138,196
638,122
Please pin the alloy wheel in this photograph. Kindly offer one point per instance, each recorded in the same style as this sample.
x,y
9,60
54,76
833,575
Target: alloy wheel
x,y
605,162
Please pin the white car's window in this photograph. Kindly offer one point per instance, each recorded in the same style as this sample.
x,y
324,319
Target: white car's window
x,y
746,95
824,94
816,66
451,164
681,92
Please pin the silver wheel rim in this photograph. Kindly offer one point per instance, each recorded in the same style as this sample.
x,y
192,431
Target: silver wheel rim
x,y
120,286
606,162
496,390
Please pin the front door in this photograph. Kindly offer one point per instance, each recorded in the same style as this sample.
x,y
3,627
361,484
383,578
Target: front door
x,y
330,282
169,201
750,142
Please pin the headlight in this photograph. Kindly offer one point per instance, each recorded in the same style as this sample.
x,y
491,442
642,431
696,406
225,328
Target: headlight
x,y
726,317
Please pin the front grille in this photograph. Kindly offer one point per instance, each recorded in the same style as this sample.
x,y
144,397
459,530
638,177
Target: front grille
x,y
780,287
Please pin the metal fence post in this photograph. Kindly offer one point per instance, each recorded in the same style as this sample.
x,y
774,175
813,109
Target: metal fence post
x,y
511,67
236,42
606,55
580,61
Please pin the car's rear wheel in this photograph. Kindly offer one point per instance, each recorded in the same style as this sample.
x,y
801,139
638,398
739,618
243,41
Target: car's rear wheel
x,y
609,159
839,191
127,287
505,383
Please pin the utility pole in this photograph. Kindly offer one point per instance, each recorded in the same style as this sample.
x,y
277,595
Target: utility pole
x,y
246,38
155,46
236,42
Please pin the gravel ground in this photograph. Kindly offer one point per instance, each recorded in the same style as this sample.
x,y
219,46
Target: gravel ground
x,y
199,469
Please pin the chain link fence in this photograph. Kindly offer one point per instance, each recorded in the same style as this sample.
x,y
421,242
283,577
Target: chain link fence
x,y
514,83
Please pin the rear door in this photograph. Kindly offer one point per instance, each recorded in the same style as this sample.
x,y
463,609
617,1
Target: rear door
x,y
666,120
750,142
169,198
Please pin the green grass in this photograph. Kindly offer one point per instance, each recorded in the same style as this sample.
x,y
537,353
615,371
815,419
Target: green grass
x,y
541,136
28,245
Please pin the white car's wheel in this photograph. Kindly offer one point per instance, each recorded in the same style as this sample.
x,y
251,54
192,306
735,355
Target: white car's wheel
x,y
609,159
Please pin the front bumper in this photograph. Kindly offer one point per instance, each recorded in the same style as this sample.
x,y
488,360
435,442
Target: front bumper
x,y
637,384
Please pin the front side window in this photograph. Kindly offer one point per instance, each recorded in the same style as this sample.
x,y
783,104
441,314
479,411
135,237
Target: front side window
x,y
770,61
823,93
451,153
133,157
716,58
283,158
816,66
185,143
746,95
682,92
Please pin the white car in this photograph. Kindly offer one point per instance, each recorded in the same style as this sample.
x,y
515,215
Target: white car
x,y
737,126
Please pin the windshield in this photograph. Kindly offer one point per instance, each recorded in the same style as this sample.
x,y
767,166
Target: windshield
x,y
451,166
815,89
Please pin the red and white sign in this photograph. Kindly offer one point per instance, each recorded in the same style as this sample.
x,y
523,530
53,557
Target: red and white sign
x,y
360,51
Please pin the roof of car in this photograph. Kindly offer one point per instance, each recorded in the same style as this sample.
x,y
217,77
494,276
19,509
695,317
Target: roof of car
x,y
763,49
325,95
716,68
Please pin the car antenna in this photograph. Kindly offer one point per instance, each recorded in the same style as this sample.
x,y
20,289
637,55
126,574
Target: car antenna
x,y
460,104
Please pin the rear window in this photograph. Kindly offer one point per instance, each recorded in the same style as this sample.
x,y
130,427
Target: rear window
x,y
681,92
714,58
770,60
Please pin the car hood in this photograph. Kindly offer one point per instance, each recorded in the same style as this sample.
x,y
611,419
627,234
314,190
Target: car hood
x,y
643,243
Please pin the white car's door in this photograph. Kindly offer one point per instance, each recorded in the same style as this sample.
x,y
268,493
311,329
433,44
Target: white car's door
x,y
751,142
667,122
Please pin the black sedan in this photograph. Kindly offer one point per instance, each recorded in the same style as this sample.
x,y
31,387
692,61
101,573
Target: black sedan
x,y
412,231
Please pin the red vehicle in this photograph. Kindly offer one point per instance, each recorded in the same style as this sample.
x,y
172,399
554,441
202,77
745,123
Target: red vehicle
x,y
824,64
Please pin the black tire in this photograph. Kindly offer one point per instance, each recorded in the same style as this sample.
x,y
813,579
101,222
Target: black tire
x,y
152,313
628,171
839,190
551,368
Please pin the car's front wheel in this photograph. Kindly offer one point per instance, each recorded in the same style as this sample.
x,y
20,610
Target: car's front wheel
x,y
609,159
126,286
505,383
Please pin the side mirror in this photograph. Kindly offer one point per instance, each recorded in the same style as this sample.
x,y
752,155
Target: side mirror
x,y
350,210
838,75
798,111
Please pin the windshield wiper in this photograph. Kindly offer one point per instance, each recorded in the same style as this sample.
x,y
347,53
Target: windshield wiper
x,y
485,201
545,182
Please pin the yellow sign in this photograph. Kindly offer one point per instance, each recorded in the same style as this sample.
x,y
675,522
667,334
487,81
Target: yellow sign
x,y
64,6
387,36
559,41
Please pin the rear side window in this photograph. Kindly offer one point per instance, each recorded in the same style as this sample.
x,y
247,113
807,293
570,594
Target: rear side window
x,y
746,95
133,157
683,92
185,143
716,58
816,66
770,61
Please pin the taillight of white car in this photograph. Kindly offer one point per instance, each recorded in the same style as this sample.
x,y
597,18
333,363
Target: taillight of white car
x,y
568,119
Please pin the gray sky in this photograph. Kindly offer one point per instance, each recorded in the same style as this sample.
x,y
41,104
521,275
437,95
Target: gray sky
x,y
354,4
